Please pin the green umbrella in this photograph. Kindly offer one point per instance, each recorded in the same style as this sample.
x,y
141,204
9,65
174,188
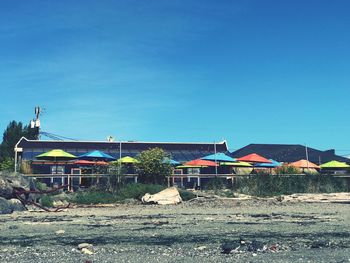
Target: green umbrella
x,y
56,155
334,164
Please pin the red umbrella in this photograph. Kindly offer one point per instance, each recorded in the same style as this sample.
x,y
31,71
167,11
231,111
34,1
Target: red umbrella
x,y
254,158
85,162
200,162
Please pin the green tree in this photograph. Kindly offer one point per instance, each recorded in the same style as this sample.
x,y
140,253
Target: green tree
x,y
152,168
8,164
13,132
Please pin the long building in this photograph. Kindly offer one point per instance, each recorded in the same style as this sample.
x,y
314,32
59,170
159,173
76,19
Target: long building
x,y
180,151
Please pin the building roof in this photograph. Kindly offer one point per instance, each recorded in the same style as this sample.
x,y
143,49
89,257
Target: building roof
x,y
180,151
289,153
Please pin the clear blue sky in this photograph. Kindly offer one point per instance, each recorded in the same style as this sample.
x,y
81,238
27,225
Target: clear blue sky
x,y
247,71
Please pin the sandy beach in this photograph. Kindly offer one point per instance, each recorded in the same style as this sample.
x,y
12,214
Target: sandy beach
x,y
190,232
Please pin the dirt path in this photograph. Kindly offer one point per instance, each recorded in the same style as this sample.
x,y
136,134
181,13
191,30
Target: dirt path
x,y
190,232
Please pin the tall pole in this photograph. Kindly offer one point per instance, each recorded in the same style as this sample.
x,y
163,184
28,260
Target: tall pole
x,y
216,168
15,159
120,155
307,156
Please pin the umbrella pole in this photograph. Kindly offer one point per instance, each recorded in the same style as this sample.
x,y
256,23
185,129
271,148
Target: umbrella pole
x,y
216,168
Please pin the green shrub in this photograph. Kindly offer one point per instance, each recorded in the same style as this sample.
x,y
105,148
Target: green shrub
x,y
93,197
46,200
136,191
272,185
40,186
216,183
287,169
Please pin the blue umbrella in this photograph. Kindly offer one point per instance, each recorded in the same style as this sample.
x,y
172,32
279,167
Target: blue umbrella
x,y
273,164
171,161
219,157
96,155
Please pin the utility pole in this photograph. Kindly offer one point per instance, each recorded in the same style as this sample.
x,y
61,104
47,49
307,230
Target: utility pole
x,y
307,156
216,167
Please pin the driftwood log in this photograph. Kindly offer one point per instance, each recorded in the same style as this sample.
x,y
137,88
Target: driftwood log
x,y
23,195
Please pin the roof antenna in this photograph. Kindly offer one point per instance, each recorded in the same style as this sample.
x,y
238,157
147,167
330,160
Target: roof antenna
x,y
35,123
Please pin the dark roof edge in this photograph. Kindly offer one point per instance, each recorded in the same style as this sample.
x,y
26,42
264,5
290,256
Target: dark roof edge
x,y
224,142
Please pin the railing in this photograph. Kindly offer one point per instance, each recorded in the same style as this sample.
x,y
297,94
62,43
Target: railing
x,y
196,180
171,176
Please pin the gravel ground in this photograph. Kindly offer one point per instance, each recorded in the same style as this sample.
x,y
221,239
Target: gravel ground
x,y
190,232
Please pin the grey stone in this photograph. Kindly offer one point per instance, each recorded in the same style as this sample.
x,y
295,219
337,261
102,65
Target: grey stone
x,y
16,205
5,188
256,246
5,206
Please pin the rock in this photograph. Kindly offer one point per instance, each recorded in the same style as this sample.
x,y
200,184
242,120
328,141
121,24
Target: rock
x,y
166,197
256,246
84,245
19,180
5,206
319,244
228,247
60,232
57,203
280,198
16,205
201,248
86,251
5,188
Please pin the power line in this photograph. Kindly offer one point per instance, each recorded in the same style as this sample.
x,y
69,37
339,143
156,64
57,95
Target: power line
x,y
56,136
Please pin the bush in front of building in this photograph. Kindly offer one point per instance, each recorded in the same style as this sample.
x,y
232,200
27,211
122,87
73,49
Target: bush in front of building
x,y
46,200
92,197
151,168
136,191
272,185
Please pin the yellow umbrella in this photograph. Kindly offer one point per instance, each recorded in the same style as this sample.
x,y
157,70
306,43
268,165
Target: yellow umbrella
x,y
334,164
127,159
238,164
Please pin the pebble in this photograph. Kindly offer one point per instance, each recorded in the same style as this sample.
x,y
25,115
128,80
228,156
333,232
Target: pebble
x,y
60,232
201,248
84,245
86,251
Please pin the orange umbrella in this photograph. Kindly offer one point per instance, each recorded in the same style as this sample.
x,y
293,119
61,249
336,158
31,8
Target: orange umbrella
x,y
254,158
200,162
304,164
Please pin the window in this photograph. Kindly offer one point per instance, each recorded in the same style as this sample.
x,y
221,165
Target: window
x,y
57,169
76,171
193,171
177,171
